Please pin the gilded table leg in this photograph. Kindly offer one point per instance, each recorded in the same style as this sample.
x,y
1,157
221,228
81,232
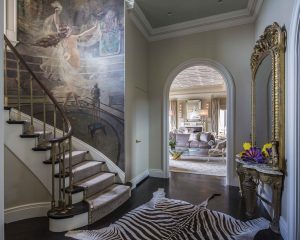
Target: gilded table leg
x,y
249,192
241,175
276,202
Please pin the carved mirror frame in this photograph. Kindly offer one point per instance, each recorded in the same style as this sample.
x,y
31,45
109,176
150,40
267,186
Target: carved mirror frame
x,y
272,42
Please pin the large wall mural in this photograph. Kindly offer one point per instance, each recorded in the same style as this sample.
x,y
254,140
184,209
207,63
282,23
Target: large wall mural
x,y
77,48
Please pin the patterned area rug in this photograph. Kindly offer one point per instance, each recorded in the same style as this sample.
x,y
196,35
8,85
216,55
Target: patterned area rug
x,y
169,219
215,166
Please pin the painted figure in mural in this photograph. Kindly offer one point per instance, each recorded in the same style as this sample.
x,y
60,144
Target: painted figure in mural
x,y
52,23
70,44
95,92
72,56
110,41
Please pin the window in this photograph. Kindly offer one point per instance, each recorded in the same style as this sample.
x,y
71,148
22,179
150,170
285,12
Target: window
x,y
222,122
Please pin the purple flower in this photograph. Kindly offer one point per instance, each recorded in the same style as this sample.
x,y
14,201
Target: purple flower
x,y
254,155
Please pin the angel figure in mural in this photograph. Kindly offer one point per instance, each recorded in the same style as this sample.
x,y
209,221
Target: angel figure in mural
x,y
72,56
70,43
63,62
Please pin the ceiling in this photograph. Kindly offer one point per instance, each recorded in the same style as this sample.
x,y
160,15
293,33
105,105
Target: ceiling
x,y
160,13
163,19
199,78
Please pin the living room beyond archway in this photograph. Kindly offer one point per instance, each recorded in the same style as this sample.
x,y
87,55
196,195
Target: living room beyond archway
x,y
197,118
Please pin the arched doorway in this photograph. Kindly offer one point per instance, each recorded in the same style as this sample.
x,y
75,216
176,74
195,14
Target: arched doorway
x,y
230,87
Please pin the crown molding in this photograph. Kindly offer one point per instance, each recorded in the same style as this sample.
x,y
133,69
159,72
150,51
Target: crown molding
x,y
215,22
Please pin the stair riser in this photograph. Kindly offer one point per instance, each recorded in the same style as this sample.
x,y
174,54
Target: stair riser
x,y
99,213
77,197
99,186
76,159
86,173
62,225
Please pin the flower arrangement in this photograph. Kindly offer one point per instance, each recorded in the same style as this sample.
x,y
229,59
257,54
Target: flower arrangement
x,y
172,144
256,154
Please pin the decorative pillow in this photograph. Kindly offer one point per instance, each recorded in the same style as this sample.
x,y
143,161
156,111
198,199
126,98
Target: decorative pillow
x,y
204,137
193,137
182,140
211,143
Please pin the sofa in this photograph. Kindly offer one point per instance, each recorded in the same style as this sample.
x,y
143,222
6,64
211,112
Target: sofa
x,y
199,142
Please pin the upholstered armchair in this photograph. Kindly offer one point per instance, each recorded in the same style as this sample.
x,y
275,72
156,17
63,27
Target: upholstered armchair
x,y
218,151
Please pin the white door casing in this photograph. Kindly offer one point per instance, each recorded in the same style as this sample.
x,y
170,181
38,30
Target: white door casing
x,y
293,126
139,167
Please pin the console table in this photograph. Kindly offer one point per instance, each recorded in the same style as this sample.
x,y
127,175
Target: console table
x,y
250,175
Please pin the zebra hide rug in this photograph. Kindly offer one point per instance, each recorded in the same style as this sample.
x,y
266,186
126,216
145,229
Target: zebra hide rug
x,y
169,219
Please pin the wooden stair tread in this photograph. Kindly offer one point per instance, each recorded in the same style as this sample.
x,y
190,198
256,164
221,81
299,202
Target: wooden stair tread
x,y
16,122
75,189
98,178
42,149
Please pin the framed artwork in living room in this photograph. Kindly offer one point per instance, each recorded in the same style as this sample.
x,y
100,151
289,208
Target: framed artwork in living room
x,y
193,108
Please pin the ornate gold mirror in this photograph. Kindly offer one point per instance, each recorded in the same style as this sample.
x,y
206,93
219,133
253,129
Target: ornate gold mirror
x,y
267,65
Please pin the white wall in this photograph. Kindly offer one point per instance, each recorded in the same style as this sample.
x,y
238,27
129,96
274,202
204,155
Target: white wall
x,y
230,47
281,12
21,185
136,75
1,129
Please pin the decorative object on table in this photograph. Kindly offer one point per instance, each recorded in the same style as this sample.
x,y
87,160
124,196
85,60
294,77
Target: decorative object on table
x,y
180,217
176,154
255,154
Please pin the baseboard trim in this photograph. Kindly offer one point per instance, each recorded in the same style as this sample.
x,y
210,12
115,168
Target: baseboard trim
x,y
157,173
26,211
135,181
283,228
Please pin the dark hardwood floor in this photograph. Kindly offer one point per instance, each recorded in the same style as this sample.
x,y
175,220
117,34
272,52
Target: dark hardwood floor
x,y
192,188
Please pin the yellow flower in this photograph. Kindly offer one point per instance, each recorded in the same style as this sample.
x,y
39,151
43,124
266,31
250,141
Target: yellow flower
x,y
247,146
241,153
265,149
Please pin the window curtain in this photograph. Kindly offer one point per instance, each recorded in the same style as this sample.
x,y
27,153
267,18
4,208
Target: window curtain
x,y
173,115
215,110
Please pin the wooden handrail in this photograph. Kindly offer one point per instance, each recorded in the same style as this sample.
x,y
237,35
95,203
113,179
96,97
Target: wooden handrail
x,y
48,93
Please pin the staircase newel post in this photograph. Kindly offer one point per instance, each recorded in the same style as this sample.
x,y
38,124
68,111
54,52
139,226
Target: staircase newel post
x,y
70,172
53,158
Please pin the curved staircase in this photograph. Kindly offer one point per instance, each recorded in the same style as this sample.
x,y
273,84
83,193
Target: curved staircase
x,y
81,194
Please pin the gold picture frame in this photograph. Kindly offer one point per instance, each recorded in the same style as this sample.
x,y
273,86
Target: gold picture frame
x,y
272,43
